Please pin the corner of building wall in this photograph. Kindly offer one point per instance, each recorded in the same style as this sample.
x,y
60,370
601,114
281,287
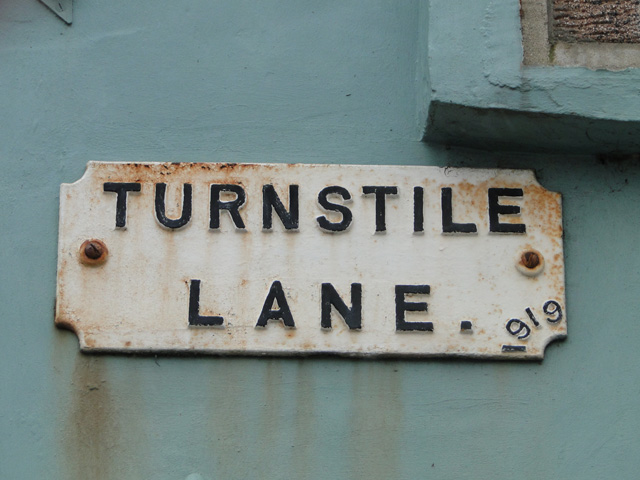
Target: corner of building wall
x,y
422,79
480,89
515,130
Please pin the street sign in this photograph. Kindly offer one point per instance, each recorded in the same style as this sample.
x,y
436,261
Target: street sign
x,y
275,259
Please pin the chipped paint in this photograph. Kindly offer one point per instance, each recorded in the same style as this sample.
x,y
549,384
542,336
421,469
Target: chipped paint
x,y
139,300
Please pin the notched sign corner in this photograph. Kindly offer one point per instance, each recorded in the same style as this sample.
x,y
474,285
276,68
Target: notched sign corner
x,y
556,339
244,259
64,323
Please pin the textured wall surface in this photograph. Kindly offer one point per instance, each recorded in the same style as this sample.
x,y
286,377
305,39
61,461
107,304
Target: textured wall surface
x,y
601,35
291,81
611,21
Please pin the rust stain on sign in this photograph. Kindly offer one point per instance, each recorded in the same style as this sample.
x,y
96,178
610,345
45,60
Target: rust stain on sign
x,y
302,259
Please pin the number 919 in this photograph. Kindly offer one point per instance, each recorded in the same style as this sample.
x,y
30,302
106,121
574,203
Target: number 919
x,y
519,328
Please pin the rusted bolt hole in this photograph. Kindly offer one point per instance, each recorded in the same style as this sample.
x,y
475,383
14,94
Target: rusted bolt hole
x,y
530,259
530,263
93,252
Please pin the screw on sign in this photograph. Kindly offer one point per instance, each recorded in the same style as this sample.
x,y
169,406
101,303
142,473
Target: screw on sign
x,y
530,263
93,252
530,259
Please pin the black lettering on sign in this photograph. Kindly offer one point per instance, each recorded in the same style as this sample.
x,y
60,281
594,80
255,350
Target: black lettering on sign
x,y
518,328
532,317
276,294
466,326
418,209
352,316
380,192
448,225
121,190
195,319
513,348
271,201
403,306
347,216
161,191
232,206
496,209
553,308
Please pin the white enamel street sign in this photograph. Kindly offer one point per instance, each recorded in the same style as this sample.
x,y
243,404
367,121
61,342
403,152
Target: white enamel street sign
x,y
307,259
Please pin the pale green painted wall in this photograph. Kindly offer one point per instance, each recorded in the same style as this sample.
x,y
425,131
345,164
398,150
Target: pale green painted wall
x,y
289,81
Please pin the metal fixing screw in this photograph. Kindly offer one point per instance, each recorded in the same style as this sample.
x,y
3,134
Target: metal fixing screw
x,y
93,252
530,259
530,263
